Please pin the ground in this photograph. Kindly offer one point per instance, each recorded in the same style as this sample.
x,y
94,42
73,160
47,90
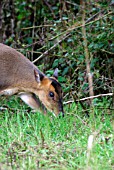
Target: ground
x,y
31,141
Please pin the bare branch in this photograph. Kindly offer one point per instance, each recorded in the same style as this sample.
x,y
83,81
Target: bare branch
x,y
91,97
65,33
46,52
39,26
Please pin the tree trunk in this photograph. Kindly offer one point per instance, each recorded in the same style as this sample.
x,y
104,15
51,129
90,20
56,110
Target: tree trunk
x,y
87,60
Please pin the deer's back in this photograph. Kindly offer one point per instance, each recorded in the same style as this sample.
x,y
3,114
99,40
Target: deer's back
x,y
14,68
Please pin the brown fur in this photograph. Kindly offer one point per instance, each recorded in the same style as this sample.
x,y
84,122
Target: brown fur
x,y
19,75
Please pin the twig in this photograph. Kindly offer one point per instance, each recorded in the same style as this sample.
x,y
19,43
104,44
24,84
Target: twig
x,y
76,26
46,52
107,52
36,52
99,95
66,33
95,16
49,6
38,26
75,4
91,97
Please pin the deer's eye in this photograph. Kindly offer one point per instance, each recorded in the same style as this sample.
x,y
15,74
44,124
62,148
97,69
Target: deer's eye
x,y
51,94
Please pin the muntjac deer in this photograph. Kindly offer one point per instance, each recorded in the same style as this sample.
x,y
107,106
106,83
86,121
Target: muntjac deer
x,y
20,76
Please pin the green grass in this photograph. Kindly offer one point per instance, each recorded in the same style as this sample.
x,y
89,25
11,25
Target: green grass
x,y
31,141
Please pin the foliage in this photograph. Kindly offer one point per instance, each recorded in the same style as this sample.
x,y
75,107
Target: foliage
x,y
39,25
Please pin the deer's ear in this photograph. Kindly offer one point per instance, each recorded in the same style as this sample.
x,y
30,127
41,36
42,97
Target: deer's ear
x,y
56,73
38,75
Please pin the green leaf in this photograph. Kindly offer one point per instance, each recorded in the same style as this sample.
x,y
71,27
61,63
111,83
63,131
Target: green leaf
x,y
61,79
65,71
55,63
